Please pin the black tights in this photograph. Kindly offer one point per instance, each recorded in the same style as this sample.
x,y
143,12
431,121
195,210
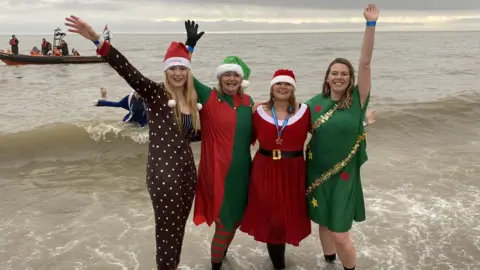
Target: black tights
x,y
277,255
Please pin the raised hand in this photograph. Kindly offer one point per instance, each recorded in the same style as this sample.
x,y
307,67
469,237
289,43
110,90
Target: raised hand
x,y
80,27
371,13
192,33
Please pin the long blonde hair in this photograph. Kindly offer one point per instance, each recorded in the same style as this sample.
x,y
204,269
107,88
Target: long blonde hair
x,y
191,97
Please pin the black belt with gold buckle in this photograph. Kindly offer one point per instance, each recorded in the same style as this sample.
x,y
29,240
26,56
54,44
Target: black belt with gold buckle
x,y
277,154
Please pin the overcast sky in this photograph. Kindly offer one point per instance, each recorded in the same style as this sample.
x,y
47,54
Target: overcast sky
x,y
41,16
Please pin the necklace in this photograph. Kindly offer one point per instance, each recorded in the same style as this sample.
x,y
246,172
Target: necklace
x,y
279,131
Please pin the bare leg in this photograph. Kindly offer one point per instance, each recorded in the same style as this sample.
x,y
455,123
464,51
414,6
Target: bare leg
x,y
328,243
346,250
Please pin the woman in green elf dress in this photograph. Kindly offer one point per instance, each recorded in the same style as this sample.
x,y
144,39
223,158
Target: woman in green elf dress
x,y
337,150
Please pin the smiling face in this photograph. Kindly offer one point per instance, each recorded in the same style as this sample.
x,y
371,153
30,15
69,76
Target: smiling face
x,y
339,78
282,91
339,82
230,82
177,76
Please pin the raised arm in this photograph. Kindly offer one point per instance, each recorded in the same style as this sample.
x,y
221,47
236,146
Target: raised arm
x,y
364,71
121,104
203,91
145,87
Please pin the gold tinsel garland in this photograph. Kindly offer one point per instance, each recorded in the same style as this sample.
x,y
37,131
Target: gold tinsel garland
x,y
337,167
324,117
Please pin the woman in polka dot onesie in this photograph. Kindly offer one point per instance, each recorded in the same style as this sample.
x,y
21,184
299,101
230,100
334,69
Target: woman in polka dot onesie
x,y
224,169
173,124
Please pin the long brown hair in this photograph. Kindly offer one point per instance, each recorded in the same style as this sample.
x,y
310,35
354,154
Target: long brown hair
x,y
346,99
292,101
191,97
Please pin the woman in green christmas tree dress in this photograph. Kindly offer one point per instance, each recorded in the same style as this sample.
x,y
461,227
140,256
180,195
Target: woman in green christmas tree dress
x,y
337,149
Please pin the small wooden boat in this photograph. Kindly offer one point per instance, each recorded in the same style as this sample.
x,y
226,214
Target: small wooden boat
x,y
58,35
23,59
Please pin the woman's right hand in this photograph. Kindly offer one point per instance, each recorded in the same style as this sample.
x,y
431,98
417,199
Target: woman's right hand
x,y
255,106
78,26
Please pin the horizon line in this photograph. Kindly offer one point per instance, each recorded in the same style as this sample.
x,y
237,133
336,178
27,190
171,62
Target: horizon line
x,y
299,31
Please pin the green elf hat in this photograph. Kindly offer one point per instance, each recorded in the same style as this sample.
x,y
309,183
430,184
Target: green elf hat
x,y
235,64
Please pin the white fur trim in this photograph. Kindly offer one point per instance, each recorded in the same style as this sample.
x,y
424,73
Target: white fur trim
x,y
229,67
283,78
297,116
171,103
176,61
245,83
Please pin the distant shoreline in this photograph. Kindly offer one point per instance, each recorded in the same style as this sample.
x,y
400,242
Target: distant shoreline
x,y
262,32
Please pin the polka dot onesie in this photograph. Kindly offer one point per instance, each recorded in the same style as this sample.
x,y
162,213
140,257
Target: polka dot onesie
x,y
171,170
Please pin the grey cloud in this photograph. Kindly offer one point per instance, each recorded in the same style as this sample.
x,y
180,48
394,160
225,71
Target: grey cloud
x,y
68,4
346,4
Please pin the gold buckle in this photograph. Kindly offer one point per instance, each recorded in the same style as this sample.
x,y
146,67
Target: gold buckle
x,y
276,154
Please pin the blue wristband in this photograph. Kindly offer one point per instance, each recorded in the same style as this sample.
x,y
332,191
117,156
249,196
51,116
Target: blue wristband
x,y
97,42
371,23
190,49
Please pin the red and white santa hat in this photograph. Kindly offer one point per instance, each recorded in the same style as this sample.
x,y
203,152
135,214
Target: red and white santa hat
x,y
283,75
176,55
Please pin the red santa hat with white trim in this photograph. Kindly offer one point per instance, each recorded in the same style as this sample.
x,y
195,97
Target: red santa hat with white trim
x,y
176,55
283,75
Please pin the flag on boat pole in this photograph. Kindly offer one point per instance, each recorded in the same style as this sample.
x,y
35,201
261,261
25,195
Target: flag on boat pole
x,y
106,34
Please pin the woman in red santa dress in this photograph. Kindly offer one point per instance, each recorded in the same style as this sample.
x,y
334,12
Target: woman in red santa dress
x,y
276,213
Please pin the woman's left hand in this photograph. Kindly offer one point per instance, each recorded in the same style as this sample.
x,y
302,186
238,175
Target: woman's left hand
x,y
371,13
370,116
192,33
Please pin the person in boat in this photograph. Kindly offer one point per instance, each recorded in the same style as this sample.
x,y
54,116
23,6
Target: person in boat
x,y
334,190
133,103
35,51
75,52
46,47
56,52
173,122
14,44
63,47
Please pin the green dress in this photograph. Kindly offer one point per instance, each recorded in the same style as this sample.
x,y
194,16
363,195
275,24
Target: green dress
x,y
335,154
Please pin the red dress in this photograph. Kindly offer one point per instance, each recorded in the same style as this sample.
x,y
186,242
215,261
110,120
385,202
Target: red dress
x,y
277,208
